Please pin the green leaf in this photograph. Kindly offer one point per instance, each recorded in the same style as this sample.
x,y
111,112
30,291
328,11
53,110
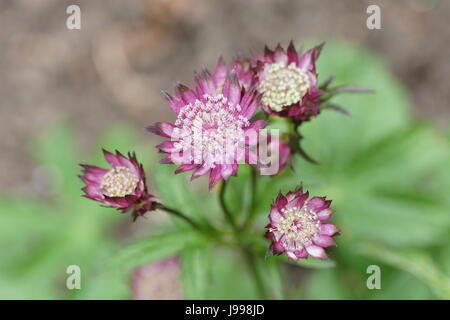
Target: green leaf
x,y
29,216
175,193
231,276
271,274
326,284
103,285
312,263
150,249
237,195
391,221
415,262
400,286
195,271
333,138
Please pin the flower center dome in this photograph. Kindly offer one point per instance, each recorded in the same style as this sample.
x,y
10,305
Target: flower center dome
x,y
119,182
210,131
298,227
283,85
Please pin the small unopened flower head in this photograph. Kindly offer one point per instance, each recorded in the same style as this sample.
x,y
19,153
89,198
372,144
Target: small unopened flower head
x,y
159,280
288,82
122,186
213,126
297,226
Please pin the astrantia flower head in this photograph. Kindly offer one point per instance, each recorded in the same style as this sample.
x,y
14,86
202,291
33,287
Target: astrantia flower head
x,y
159,280
213,132
288,82
122,186
297,226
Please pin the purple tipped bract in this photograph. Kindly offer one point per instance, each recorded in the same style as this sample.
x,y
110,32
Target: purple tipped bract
x,y
241,67
122,186
297,226
287,80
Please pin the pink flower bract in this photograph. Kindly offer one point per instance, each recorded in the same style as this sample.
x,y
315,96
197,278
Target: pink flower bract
x,y
297,226
273,154
122,186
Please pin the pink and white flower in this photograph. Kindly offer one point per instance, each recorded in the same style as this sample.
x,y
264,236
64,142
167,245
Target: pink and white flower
x,y
288,82
297,226
213,132
122,186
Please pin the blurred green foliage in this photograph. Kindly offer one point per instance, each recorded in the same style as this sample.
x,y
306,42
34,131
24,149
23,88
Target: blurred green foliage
x,y
41,236
387,174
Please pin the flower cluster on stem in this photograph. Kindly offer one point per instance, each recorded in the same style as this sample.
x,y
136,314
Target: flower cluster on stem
x,y
218,127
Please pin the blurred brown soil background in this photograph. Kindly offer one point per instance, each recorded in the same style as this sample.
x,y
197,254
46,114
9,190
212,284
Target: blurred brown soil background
x,y
112,70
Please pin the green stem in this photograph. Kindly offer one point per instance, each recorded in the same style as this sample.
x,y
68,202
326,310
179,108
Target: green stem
x,y
182,216
251,213
249,256
255,271
225,209
294,143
